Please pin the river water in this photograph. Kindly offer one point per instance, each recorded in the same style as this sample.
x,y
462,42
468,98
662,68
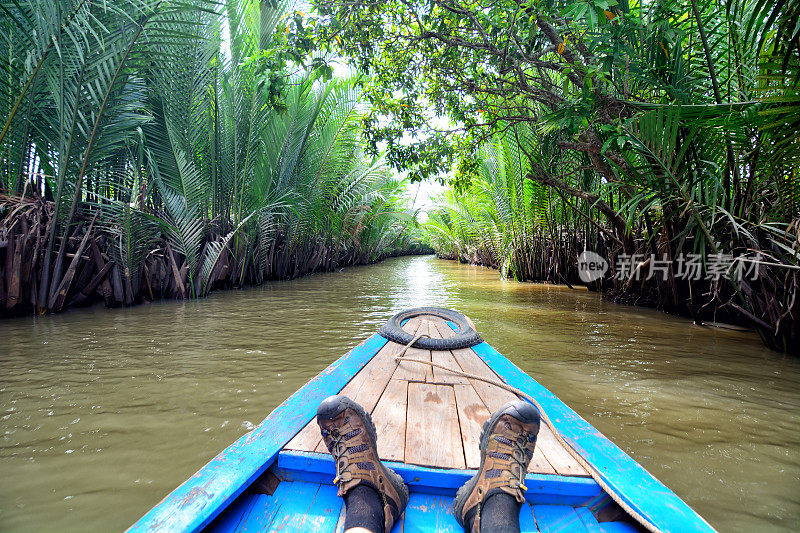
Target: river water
x,y
105,411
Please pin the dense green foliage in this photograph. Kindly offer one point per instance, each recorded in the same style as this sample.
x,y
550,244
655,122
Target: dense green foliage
x,y
648,130
189,126
658,128
504,220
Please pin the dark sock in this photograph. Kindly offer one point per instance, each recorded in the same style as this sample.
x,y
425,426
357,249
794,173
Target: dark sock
x,y
363,508
499,514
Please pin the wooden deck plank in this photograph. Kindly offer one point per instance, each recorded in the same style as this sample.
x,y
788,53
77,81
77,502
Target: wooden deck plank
x,y
264,508
527,522
382,388
472,413
557,518
307,439
493,397
445,358
429,513
433,437
438,375
369,392
444,330
549,457
229,520
433,332
414,371
365,388
539,463
291,511
412,325
389,417
340,524
369,388
588,520
443,376
563,463
324,513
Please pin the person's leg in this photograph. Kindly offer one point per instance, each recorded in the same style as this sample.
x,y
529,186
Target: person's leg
x,y
499,514
363,510
374,496
491,500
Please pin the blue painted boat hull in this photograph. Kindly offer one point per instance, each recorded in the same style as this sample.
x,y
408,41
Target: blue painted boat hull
x,y
221,496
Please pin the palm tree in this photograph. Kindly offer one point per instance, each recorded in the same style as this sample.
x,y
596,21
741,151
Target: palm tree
x,y
678,137
204,159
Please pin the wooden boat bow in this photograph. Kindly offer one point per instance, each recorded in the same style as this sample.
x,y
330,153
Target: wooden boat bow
x,y
428,409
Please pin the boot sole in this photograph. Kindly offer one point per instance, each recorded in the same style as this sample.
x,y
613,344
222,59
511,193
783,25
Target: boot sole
x,y
466,489
340,404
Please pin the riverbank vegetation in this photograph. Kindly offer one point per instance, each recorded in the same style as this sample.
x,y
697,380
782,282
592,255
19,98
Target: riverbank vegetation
x,y
157,149
166,147
653,133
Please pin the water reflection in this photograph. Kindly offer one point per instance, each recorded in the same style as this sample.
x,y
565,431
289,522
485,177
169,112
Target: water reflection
x,y
104,412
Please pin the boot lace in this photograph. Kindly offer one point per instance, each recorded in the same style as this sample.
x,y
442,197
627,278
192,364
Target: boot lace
x,y
519,454
338,449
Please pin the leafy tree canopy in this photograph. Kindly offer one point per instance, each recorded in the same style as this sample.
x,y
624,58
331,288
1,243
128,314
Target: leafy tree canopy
x,y
577,67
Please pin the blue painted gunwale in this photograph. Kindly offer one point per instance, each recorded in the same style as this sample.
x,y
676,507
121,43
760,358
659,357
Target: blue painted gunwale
x,y
635,485
542,488
315,507
194,504
202,497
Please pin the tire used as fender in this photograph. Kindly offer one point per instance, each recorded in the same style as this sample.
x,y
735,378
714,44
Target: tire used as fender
x,y
465,336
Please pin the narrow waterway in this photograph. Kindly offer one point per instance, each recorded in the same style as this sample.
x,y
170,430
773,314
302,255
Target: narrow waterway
x,y
106,411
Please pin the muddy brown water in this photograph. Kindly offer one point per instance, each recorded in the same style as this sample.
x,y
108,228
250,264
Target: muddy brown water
x,y
104,412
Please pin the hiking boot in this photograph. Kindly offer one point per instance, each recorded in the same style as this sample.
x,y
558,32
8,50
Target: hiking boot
x,y
350,436
507,443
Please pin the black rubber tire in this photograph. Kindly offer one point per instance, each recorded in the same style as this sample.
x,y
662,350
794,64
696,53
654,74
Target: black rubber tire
x,y
465,336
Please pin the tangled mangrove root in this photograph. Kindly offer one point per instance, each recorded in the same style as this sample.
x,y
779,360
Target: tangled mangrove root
x,y
89,274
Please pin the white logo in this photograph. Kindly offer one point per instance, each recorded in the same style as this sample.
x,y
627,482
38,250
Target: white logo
x,y
591,266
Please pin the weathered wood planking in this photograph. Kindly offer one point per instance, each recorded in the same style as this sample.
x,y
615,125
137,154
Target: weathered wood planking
x,y
375,387
472,413
492,396
433,436
382,388
366,388
556,455
550,456
539,463
415,371
439,329
389,417
443,416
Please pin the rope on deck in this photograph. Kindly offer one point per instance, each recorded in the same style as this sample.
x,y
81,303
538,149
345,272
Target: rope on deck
x,y
649,525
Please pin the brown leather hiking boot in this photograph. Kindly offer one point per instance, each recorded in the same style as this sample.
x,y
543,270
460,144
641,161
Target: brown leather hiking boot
x,y
507,443
350,436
